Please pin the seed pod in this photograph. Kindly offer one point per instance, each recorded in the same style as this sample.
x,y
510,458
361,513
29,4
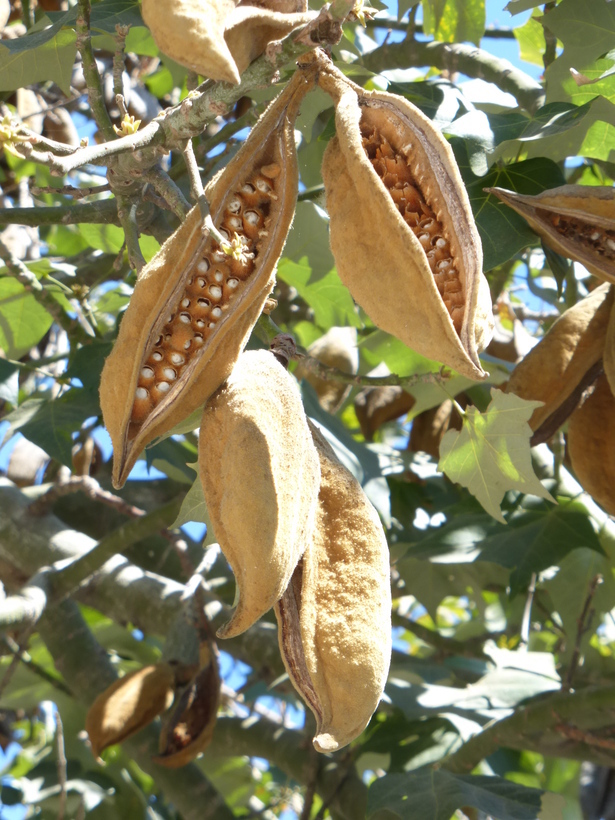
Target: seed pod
x,y
336,348
552,370
220,38
608,355
578,221
429,427
128,705
334,620
402,231
190,726
591,444
375,406
259,471
194,307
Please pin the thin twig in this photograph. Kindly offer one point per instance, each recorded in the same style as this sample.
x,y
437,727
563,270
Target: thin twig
x,y
127,212
71,190
169,192
527,613
17,650
61,765
121,32
583,625
90,71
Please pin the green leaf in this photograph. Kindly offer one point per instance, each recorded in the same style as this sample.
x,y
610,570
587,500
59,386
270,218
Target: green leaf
x,y
194,508
107,238
435,794
308,240
517,6
36,57
87,364
23,322
329,299
491,453
531,39
454,21
502,231
550,120
588,27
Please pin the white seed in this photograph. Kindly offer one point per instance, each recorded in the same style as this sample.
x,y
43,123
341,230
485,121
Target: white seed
x,y
610,244
424,240
445,263
218,256
156,356
142,393
201,282
234,205
235,223
169,374
203,303
198,339
215,292
248,189
263,186
185,303
185,318
219,276
203,266
200,324
163,387
232,283
187,344
170,318
177,358
216,312
147,372
252,217
440,242
595,236
211,325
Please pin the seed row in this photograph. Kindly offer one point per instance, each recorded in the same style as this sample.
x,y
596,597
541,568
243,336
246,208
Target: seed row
x,y
397,176
212,283
600,241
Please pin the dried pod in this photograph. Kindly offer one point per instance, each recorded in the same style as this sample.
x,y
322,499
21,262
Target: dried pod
x,y
578,221
375,406
608,355
194,307
260,473
402,231
190,726
334,620
429,427
553,369
220,38
591,444
128,705
336,348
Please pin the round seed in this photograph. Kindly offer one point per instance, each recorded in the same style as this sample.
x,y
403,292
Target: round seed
x,y
440,242
200,324
147,373
263,186
445,263
203,303
232,283
156,356
215,292
198,340
203,266
201,282
234,222
216,312
219,276
185,318
234,205
185,303
252,217
610,244
142,393
187,344
169,374
177,358
247,188
211,325
163,387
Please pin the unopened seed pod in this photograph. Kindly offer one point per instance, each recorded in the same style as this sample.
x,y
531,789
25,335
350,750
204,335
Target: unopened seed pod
x,y
334,620
220,38
128,705
194,306
375,406
402,231
336,348
189,729
578,221
553,369
591,444
260,476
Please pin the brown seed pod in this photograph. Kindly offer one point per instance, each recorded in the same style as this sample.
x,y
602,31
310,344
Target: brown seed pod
x,y
429,427
608,355
260,473
334,620
553,369
402,230
375,406
128,705
578,221
190,726
336,348
591,444
220,38
194,307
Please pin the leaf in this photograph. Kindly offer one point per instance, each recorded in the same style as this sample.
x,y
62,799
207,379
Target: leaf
x,y
531,39
9,382
551,120
502,232
517,6
327,296
23,322
588,27
194,508
454,21
309,237
491,453
87,364
435,794
40,56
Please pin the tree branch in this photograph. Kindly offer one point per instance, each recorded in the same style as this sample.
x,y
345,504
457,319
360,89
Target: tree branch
x,y
90,71
104,211
475,62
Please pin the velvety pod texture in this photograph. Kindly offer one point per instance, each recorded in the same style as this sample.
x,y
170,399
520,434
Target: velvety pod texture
x,y
334,620
260,476
220,38
402,230
551,371
194,307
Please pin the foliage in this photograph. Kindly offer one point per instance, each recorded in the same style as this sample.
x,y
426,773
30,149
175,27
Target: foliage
x,y
501,686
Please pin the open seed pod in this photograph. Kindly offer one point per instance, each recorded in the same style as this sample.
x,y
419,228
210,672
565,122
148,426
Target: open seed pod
x,y
608,355
578,221
334,619
128,705
260,476
402,231
591,444
220,38
194,307
556,366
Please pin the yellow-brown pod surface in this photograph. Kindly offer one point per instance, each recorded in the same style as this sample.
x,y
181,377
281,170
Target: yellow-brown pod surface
x,y
551,371
578,221
260,476
591,444
402,230
194,307
334,620
220,38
